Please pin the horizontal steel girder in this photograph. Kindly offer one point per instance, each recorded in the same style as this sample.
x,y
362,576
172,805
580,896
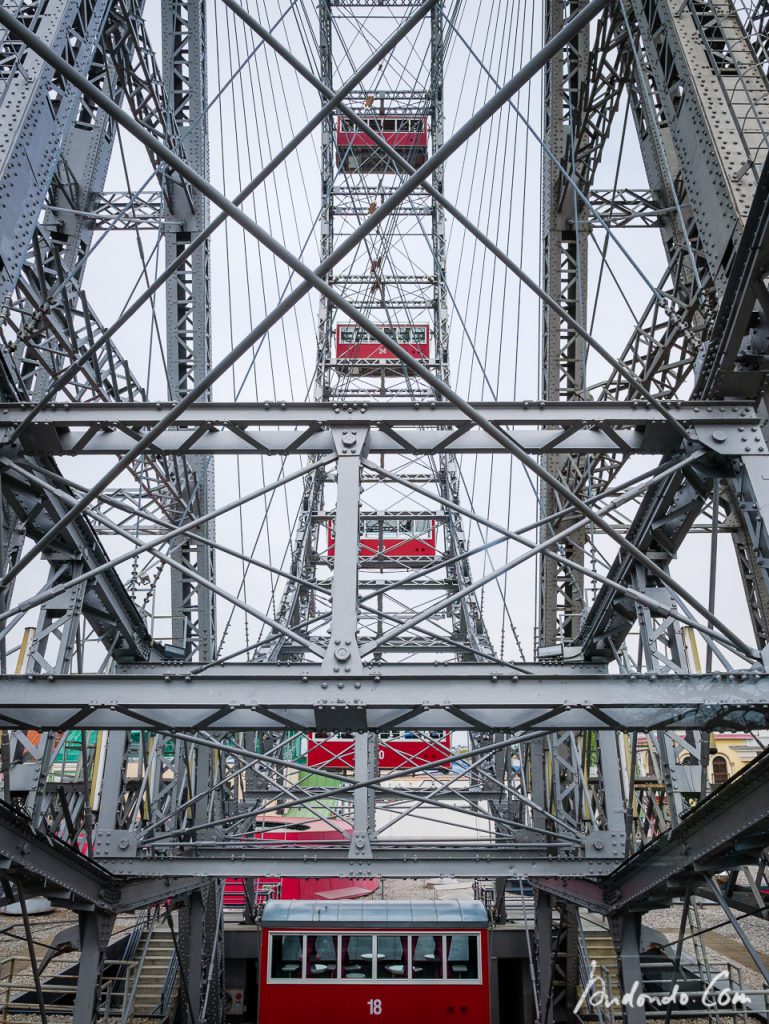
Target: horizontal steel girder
x,y
396,861
470,696
281,428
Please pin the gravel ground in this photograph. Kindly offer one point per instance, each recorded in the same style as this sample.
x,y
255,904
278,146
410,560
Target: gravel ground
x,y
424,889
722,942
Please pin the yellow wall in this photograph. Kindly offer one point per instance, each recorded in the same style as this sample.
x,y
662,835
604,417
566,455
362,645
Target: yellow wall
x,y
738,750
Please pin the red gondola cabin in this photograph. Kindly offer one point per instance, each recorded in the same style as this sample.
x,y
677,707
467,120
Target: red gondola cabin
x,y
400,750
400,539
384,960
357,352
357,152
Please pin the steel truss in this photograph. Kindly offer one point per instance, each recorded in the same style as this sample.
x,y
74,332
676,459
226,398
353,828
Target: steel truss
x,y
185,748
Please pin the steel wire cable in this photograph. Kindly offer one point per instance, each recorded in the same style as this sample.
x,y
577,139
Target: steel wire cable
x,y
567,176
271,498
79,264
279,206
34,43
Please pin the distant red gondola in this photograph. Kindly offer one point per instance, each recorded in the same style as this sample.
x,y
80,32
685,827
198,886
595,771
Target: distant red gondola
x,y
358,352
400,750
280,828
399,538
357,152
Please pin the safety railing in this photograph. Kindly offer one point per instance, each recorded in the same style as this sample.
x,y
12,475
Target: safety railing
x,y
17,982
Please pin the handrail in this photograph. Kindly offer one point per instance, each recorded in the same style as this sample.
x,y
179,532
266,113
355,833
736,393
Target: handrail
x,y
170,985
129,995
605,1014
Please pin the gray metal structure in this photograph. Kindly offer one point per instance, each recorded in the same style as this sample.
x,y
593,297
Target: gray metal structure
x,y
142,760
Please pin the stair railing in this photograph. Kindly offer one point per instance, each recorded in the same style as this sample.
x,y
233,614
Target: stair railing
x,y
603,1011
170,989
134,975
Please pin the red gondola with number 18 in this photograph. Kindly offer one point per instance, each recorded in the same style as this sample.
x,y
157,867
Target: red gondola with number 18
x,y
379,960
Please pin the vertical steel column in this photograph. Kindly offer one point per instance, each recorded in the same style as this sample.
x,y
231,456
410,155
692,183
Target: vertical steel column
x,y
188,341
202,958
543,924
188,304
52,650
342,655
564,277
95,931
191,929
365,747
326,218
440,290
555,766
628,939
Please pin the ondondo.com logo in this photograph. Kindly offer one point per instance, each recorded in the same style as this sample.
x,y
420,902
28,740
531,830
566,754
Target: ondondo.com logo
x,y
717,995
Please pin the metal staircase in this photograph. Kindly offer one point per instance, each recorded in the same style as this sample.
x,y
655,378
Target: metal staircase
x,y
149,995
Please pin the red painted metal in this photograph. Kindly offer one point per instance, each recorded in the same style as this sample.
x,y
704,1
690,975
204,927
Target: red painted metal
x,y
354,345
336,752
357,152
292,829
390,999
394,537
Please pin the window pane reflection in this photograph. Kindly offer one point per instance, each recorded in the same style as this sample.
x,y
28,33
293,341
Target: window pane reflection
x,y
426,957
357,956
391,956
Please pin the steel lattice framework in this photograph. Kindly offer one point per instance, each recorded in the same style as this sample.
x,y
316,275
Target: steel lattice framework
x,y
584,767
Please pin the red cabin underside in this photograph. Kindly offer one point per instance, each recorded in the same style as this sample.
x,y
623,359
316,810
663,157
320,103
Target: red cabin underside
x,y
301,889
398,140
287,829
392,547
397,547
357,152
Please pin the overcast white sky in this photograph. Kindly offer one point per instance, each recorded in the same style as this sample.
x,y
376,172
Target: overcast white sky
x,y
494,322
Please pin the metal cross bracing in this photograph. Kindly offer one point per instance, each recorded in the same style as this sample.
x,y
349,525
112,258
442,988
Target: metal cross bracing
x,y
398,277
377,619
700,91
724,75
48,322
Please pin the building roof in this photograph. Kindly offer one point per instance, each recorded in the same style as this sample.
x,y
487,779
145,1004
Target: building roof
x,y
374,913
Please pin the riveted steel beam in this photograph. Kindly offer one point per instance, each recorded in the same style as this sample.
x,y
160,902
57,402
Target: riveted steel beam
x,y
396,861
66,875
287,428
734,818
381,697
